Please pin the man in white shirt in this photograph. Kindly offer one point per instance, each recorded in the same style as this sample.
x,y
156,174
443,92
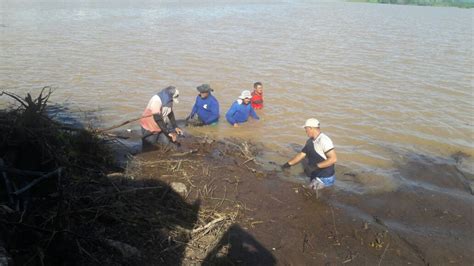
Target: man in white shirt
x,y
319,150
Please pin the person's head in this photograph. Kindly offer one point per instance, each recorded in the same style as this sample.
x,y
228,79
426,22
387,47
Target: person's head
x,y
245,96
258,87
311,126
169,94
204,90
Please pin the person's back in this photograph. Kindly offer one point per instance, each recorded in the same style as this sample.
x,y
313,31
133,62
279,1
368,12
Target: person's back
x,y
153,107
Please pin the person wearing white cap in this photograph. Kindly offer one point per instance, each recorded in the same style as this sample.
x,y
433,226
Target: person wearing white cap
x,y
320,154
241,109
158,122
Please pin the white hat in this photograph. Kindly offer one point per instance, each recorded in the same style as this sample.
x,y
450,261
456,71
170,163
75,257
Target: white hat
x,y
312,122
245,94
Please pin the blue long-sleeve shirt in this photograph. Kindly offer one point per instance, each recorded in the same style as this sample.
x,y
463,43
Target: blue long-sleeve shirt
x,y
207,109
239,113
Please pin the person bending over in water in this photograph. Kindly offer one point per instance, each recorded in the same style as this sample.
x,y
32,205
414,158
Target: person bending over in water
x,y
241,109
158,122
319,150
206,108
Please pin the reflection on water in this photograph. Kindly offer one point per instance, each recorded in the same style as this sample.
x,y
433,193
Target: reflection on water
x,y
380,78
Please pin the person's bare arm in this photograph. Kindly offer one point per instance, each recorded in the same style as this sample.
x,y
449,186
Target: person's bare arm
x,y
298,157
331,159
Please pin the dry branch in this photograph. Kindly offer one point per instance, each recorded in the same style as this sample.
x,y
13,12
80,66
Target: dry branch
x,y
38,180
210,224
122,124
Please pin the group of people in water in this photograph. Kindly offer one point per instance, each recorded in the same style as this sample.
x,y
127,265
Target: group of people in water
x,y
158,124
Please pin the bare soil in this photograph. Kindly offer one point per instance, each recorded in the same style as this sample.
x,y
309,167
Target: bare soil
x,y
269,221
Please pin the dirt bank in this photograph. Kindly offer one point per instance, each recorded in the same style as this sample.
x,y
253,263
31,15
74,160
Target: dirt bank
x,y
284,223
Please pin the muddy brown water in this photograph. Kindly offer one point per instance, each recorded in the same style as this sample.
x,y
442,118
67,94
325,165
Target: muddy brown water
x,y
391,85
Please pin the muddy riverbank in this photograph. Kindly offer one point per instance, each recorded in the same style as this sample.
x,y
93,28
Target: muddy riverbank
x,y
210,202
281,222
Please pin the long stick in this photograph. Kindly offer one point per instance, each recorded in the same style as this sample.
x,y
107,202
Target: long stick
x,y
197,230
122,124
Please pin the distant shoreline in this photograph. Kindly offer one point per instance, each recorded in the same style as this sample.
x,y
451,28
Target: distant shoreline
x,y
440,3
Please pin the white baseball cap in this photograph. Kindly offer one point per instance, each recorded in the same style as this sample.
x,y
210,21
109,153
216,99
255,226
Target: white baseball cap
x,y
312,122
245,94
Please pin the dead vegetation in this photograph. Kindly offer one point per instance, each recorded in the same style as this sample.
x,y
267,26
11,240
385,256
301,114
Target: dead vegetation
x,y
198,181
60,204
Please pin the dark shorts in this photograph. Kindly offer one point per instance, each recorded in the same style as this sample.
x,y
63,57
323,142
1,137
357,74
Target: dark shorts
x,y
150,139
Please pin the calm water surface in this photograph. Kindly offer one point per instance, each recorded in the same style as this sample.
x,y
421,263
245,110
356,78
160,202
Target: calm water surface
x,y
391,85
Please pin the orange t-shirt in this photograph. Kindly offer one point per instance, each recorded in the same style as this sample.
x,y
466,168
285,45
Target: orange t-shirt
x,y
257,100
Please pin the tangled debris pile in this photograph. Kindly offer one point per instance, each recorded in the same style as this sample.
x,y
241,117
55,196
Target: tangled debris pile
x,y
60,205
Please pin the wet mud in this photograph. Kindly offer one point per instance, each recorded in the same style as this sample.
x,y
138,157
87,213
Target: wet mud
x,y
284,223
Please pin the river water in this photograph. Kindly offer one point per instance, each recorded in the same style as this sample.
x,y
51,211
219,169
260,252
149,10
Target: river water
x,y
392,85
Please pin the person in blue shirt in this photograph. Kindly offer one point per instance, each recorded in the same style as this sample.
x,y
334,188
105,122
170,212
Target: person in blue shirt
x,y
241,109
206,108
